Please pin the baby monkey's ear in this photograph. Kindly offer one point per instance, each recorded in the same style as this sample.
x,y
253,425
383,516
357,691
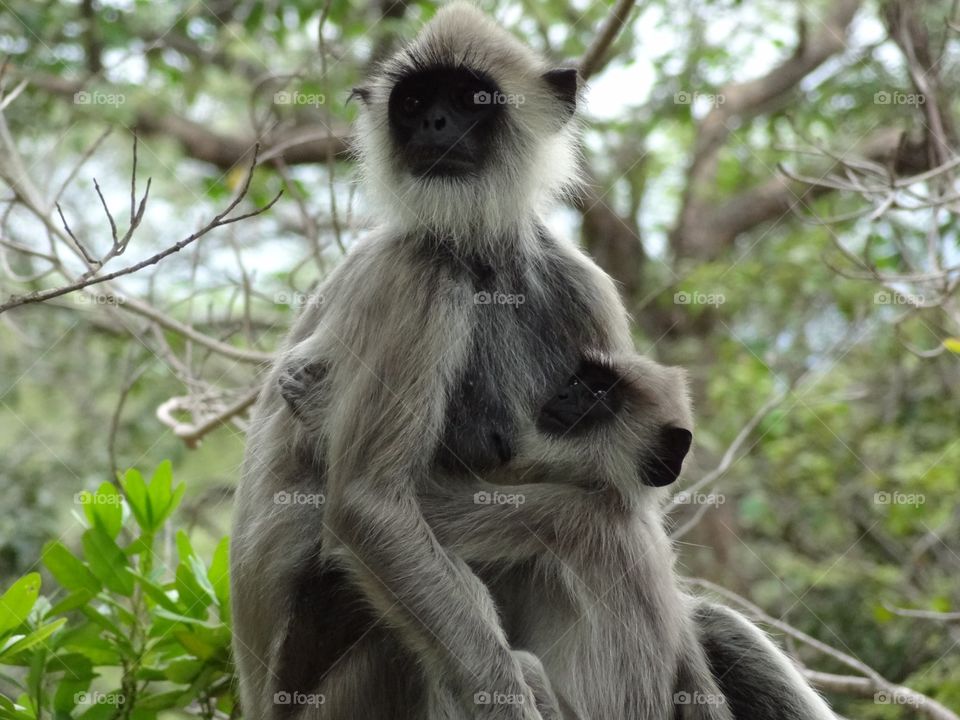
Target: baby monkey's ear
x,y
661,464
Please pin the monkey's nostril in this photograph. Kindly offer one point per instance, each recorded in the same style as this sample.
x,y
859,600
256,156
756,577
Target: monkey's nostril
x,y
440,123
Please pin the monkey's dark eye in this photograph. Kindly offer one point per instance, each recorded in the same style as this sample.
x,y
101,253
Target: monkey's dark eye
x,y
573,382
412,104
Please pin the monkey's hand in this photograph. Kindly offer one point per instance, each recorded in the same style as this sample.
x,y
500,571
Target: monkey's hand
x,y
299,384
536,678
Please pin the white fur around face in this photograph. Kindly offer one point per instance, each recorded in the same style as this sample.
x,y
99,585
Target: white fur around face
x,y
532,162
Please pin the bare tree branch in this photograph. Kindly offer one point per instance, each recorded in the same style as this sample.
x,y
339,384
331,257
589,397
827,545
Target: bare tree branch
x,y
593,58
872,680
88,279
883,693
703,228
192,433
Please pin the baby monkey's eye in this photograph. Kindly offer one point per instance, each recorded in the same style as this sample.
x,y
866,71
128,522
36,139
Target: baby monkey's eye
x,y
600,394
412,104
573,382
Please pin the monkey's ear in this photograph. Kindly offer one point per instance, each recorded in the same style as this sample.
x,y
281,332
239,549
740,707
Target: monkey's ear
x,y
563,83
359,92
662,465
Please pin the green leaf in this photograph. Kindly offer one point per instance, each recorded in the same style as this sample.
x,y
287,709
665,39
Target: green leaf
x,y
76,599
952,344
156,593
138,499
100,711
66,696
196,645
74,665
9,711
163,499
183,671
186,619
17,602
163,701
90,640
107,561
159,489
69,570
184,546
104,508
34,638
219,576
192,596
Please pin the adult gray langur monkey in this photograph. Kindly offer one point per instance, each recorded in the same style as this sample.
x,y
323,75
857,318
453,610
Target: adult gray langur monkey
x,y
434,341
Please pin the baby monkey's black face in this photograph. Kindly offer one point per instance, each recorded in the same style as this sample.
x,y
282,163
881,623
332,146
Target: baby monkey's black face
x,y
591,397
597,399
443,119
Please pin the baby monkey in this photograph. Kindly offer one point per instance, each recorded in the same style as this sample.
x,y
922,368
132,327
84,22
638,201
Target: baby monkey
x,y
569,537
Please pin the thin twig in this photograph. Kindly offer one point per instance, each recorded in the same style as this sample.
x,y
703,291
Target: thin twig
x,y
218,221
592,59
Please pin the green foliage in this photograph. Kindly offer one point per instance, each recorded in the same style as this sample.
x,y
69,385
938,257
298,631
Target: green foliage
x,y
127,630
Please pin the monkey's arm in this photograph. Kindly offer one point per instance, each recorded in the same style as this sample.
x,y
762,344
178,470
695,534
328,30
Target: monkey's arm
x,y
482,522
439,608
757,679
382,444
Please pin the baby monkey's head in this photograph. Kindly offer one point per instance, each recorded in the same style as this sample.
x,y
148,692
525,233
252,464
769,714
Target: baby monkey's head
x,y
617,420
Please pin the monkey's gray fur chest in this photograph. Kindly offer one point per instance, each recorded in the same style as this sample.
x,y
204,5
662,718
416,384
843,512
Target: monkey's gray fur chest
x,y
528,325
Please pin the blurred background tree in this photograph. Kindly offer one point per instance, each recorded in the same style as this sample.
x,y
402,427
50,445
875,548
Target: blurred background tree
x,y
773,184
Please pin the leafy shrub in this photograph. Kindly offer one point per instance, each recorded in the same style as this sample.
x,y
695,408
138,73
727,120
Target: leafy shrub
x,y
125,634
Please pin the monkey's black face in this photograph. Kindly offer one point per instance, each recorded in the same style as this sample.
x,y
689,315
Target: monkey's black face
x,y
592,398
443,120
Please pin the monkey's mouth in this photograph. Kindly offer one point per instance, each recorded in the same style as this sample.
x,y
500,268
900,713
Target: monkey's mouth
x,y
442,164
555,423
